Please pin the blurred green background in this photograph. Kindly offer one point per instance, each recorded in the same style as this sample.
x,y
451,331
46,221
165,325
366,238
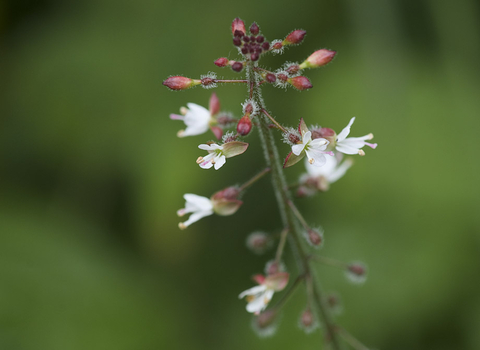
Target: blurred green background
x,y
91,173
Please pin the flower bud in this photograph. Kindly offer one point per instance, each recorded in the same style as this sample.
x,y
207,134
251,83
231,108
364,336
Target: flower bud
x,y
238,25
258,242
208,82
300,83
180,83
254,28
271,78
315,237
293,69
356,272
244,125
225,202
221,62
307,321
265,324
272,267
277,46
277,281
318,58
334,303
237,66
295,37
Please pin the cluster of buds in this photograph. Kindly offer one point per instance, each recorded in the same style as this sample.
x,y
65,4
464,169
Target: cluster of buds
x,y
321,148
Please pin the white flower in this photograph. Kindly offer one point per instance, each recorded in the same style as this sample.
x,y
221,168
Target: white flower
x,y
196,118
313,148
259,296
352,145
214,158
197,205
332,170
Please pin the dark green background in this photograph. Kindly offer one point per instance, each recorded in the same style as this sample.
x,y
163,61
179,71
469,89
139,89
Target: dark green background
x,y
91,173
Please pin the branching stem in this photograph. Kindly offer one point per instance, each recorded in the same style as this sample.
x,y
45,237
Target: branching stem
x,y
254,179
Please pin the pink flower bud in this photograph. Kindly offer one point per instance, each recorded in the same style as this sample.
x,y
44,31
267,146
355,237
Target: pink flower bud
x,y
356,272
180,83
315,237
244,125
214,104
238,25
217,131
258,242
295,37
307,321
300,83
318,58
221,62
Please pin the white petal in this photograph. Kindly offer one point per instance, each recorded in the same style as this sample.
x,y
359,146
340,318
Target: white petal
x,y
346,149
205,147
196,203
197,216
219,161
197,119
325,170
355,142
317,156
253,291
340,171
319,143
297,149
307,137
257,305
345,131
268,295
195,130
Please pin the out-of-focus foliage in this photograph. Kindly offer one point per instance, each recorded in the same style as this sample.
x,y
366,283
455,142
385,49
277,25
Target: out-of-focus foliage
x,y
91,173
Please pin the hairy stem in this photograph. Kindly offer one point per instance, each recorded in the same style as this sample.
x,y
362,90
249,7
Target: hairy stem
x,y
283,199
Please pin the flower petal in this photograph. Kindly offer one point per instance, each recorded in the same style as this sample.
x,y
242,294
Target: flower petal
x,y
316,157
195,202
345,131
340,171
253,291
346,149
297,149
219,161
197,216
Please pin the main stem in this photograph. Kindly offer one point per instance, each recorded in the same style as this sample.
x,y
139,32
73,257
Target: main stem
x,y
283,198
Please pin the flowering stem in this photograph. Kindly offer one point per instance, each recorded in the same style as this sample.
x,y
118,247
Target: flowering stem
x,y
288,293
298,215
281,245
273,120
258,69
286,213
350,339
254,179
230,81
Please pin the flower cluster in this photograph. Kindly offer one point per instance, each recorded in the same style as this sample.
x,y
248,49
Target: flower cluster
x,y
321,148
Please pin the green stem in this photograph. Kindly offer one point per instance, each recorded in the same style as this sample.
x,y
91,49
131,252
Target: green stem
x,y
281,245
350,339
283,197
254,179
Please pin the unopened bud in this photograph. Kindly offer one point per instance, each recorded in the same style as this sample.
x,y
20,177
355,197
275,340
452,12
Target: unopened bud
x,y
300,83
207,82
318,58
237,66
295,37
277,46
237,41
254,28
272,267
271,78
334,303
258,242
282,77
244,125
238,25
254,56
180,83
293,69
225,202
266,45
315,237
265,324
307,321
214,104
356,272
221,62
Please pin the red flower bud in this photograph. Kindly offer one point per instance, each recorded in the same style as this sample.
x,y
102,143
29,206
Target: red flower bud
x,y
180,83
294,37
301,83
244,125
237,66
318,58
238,25
271,78
277,46
254,28
221,62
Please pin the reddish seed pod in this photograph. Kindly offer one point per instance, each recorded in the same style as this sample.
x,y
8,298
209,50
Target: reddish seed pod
x,y
254,29
239,25
295,37
221,62
266,45
244,125
237,41
271,78
237,66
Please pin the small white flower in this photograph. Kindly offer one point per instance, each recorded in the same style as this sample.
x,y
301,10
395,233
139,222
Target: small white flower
x,y
259,296
196,118
215,156
352,145
197,205
332,170
313,148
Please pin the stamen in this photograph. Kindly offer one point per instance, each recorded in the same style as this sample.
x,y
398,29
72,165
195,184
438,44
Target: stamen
x,y
361,152
176,117
249,298
183,110
181,212
182,226
372,145
199,160
180,133
370,136
311,160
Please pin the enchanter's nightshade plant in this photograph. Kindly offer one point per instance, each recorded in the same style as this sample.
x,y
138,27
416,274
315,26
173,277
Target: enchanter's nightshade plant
x,y
322,149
